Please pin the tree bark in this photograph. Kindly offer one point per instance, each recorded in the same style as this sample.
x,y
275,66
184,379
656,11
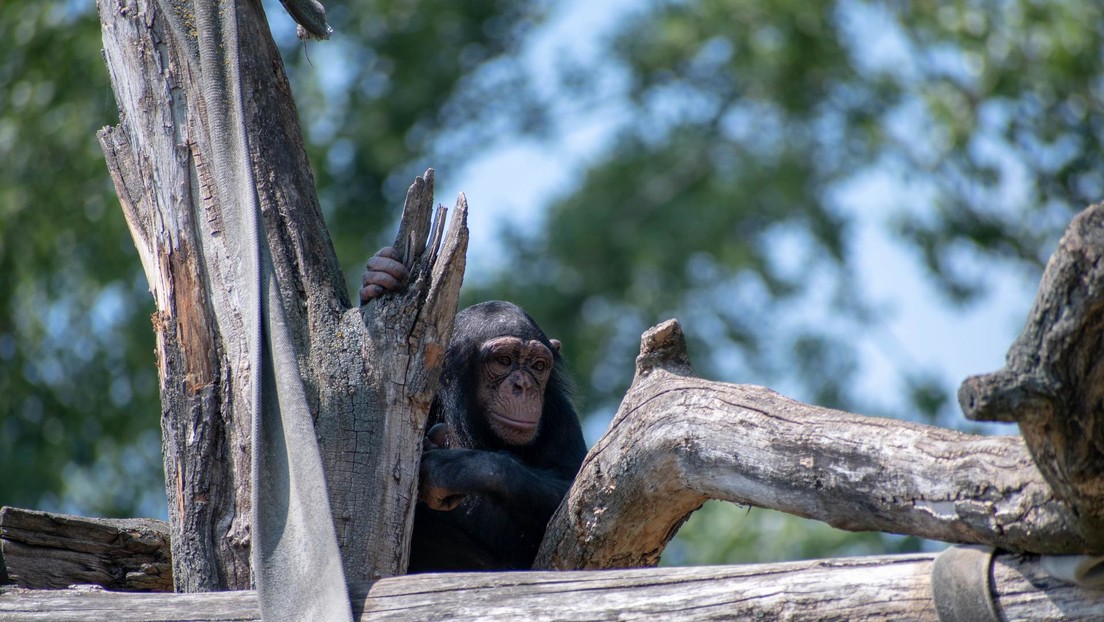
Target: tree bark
x,y
677,441
161,157
865,588
1053,382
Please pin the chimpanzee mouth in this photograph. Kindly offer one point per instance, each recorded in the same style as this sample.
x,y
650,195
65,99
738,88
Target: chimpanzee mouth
x,y
520,424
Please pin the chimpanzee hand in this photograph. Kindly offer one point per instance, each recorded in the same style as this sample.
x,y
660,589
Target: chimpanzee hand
x,y
384,273
438,477
449,475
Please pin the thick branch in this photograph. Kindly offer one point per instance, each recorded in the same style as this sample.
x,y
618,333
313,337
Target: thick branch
x,y
1053,382
677,441
867,588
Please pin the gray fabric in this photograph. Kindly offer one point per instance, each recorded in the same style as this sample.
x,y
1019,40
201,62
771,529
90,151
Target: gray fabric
x,y
961,585
1084,570
296,562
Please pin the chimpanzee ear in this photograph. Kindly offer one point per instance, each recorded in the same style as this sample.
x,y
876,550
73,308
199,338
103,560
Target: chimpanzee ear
x,y
555,344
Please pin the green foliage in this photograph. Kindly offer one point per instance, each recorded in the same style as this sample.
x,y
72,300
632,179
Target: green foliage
x,y
726,154
1005,89
76,350
724,533
376,98
723,198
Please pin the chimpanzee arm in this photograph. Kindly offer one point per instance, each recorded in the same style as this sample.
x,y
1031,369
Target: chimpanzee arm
x,y
448,475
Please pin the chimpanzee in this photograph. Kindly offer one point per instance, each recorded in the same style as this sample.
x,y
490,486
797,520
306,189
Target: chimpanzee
x,y
503,442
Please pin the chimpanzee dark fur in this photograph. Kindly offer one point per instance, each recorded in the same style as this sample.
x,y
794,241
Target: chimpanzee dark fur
x,y
509,491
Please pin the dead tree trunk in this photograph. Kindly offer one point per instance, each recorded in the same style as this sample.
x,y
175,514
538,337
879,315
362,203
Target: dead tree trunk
x,y
368,375
44,550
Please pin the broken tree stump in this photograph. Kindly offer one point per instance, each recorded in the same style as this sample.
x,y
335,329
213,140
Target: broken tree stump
x,y
1052,384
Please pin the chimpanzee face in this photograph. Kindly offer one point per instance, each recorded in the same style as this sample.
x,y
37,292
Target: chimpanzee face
x,y
513,375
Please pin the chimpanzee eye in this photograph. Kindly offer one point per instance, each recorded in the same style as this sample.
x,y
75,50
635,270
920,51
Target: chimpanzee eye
x,y
502,359
540,366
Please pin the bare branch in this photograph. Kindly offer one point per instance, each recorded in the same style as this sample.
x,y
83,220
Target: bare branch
x,y
371,458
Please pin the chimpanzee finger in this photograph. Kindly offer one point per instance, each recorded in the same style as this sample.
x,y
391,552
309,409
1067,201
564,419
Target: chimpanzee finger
x,y
378,282
449,503
369,292
440,499
385,265
388,252
385,280
436,438
384,272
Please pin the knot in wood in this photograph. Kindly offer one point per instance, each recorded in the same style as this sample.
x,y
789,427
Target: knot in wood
x,y
663,347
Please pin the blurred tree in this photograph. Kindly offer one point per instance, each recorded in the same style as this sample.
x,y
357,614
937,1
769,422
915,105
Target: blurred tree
x,y
78,416
723,533
723,198
374,99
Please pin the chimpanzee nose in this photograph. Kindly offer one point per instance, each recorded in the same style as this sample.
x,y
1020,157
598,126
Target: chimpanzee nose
x,y
521,382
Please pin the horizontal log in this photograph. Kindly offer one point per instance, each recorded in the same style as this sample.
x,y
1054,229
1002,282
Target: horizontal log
x,y
678,440
45,550
861,588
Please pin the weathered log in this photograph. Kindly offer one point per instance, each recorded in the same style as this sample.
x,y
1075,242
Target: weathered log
x,y
677,441
44,550
862,588
1053,380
